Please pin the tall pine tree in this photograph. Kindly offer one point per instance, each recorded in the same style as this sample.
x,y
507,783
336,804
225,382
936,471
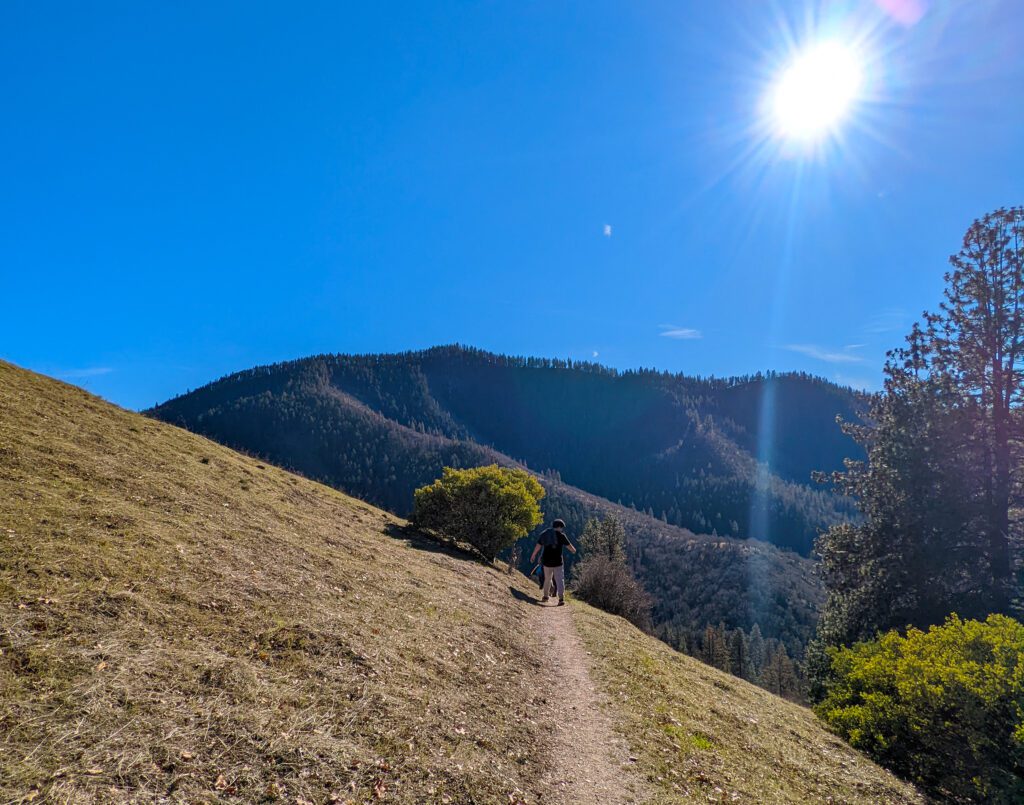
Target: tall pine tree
x,y
943,442
979,342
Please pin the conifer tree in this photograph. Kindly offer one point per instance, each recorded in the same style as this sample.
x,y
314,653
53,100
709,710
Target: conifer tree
x,y
942,442
755,646
723,658
739,654
779,674
914,557
978,336
605,537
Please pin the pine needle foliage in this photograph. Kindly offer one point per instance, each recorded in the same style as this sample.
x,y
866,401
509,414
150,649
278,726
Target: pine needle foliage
x,y
940,490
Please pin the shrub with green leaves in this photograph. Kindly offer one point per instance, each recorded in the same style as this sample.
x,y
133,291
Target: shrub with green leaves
x,y
944,708
488,507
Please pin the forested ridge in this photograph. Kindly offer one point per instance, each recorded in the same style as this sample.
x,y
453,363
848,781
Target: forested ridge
x,y
675,453
681,449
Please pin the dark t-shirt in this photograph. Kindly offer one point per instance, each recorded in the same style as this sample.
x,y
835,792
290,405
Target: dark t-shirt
x,y
552,541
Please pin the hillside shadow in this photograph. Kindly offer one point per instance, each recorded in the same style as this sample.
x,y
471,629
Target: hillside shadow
x,y
519,595
429,543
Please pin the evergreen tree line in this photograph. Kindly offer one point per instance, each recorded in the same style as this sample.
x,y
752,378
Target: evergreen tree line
x,y
746,654
676,448
694,383
916,661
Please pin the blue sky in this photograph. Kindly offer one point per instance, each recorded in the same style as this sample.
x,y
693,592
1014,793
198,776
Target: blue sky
x,y
194,188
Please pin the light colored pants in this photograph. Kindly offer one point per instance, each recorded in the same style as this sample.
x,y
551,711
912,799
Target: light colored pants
x,y
559,575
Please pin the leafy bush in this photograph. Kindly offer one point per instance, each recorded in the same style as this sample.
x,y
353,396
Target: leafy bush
x,y
944,708
610,585
488,507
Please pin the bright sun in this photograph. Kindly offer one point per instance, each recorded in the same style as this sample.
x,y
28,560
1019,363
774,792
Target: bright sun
x,y
814,93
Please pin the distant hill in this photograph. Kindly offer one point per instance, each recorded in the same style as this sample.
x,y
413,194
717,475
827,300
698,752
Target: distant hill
x,y
379,426
684,450
179,622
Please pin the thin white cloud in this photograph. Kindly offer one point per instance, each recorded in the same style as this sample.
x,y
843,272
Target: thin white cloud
x,y
91,371
607,230
887,321
595,354
822,354
679,333
855,346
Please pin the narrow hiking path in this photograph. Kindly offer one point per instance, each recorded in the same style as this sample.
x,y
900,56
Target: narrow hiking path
x,y
589,761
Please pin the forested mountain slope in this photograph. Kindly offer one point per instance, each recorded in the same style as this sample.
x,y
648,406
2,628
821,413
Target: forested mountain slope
x,y
379,426
684,450
179,622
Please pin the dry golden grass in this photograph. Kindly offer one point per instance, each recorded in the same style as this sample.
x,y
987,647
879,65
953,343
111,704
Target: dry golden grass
x,y
179,621
699,735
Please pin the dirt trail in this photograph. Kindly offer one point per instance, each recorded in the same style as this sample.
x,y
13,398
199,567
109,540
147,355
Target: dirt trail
x,y
590,761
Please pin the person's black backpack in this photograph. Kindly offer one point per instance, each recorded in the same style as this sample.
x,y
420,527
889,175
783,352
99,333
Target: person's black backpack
x,y
548,538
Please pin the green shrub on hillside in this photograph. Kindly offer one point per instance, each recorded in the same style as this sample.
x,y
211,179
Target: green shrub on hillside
x,y
488,507
944,708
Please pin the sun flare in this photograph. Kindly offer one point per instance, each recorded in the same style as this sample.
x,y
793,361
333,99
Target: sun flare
x,y
815,92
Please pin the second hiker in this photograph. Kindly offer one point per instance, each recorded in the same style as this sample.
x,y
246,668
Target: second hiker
x,y
549,545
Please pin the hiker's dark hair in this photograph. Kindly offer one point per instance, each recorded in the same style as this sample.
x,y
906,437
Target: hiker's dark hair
x,y
558,524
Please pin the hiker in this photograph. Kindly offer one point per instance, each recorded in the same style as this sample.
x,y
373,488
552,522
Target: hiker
x,y
549,545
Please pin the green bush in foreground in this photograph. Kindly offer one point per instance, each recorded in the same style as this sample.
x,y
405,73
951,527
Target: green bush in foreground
x,y
944,708
488,507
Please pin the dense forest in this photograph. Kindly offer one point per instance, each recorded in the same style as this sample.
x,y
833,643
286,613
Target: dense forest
x,y
746,654
375,426
725,457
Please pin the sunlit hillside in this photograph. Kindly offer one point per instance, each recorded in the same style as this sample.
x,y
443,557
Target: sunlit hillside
x,y
181,622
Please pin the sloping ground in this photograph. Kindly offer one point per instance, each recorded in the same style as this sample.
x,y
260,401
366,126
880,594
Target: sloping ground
x,y
589,761
179,622
699,735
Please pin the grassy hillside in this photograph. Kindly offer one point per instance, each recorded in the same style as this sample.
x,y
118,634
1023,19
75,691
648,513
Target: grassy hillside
x,y
181,621
700,735
178,619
